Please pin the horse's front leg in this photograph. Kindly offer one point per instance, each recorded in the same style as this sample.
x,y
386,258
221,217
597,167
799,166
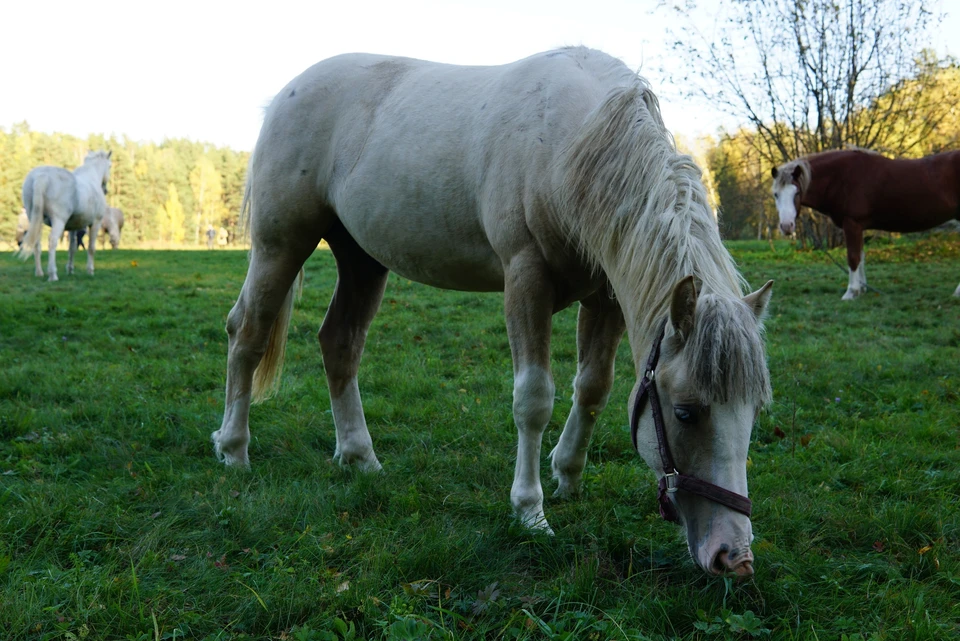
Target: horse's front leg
x,y
528,304
600,328
853,238
56,231
72,242
92,245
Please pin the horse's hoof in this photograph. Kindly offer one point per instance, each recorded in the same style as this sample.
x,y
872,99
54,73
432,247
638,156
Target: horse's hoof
x,y
367,464
537,525
228,458
566,491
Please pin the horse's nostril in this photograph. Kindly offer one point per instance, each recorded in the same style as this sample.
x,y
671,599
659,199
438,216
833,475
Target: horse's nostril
x,y
723,565
719,565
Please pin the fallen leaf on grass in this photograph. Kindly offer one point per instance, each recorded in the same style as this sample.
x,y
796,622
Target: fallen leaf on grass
x,y
343,587
779,433
484,598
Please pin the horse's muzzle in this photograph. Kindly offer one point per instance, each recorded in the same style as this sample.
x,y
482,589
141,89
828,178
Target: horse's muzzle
x,y
787,229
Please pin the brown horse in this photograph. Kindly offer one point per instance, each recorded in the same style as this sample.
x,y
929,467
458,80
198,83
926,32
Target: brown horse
x,y
860,189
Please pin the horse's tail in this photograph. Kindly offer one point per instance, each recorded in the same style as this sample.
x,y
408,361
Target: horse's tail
x,y
35,206
266,378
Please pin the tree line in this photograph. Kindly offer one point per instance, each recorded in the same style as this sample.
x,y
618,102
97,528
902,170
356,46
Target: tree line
x,y
803,76
170,193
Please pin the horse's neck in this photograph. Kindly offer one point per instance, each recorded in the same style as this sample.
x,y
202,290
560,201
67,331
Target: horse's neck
x,y
817,194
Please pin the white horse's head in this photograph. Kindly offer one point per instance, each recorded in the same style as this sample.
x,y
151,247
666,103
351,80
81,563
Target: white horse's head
x,y
790,181
710,382
99,161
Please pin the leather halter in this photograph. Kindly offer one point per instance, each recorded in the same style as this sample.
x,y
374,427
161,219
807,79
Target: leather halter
x,y
672,479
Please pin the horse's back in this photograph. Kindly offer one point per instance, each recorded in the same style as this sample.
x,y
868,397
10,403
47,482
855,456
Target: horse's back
x,y
59,188
894,194
449,158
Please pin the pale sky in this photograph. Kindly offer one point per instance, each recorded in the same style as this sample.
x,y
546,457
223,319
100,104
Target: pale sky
x,y
204,70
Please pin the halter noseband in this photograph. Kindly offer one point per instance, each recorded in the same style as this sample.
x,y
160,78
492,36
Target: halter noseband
x,y
672,480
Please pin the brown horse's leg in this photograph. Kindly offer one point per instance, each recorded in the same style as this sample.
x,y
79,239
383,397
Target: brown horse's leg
x,y
361,281
600,328
276,257
528,304
853,238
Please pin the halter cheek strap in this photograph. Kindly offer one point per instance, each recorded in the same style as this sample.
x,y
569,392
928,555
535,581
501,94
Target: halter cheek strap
x,y
672,479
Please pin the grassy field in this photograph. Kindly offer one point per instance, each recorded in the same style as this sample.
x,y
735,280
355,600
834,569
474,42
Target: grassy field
x,y
117,522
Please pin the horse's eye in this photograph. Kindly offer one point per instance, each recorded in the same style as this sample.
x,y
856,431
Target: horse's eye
x,y
686,413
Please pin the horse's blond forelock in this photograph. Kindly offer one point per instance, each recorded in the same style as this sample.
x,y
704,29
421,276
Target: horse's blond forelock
x,y
725,356
784,175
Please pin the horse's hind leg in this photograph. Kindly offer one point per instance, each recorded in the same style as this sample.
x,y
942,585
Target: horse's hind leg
x,y
361,281
38,269
250,327
528,304
600,328
56,231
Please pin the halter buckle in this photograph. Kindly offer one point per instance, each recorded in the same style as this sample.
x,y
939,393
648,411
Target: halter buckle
x,y
670,481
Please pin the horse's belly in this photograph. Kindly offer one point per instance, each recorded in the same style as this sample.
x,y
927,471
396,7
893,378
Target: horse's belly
x,y
448,255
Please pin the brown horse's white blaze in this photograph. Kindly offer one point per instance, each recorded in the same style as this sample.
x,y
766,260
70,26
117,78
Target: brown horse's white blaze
x,y
551,179
860,189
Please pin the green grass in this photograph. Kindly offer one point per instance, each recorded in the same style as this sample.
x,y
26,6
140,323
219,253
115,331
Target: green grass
x,y
117,522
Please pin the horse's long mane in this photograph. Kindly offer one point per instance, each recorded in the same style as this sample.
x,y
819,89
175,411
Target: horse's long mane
x,y
639,211
637,207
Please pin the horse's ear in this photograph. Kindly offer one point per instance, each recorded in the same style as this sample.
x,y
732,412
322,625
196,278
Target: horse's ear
x,y
758,300
683,305
774,171
109,153
797,172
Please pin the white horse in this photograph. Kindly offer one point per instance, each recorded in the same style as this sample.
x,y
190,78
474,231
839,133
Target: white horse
x,y
65,200
553,180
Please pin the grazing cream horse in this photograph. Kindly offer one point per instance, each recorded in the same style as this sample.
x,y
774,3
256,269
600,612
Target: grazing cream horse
x,y
553,180
66,201
111,226
23,224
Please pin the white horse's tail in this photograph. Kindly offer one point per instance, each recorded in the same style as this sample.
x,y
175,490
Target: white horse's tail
x,y
266,378
36,218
